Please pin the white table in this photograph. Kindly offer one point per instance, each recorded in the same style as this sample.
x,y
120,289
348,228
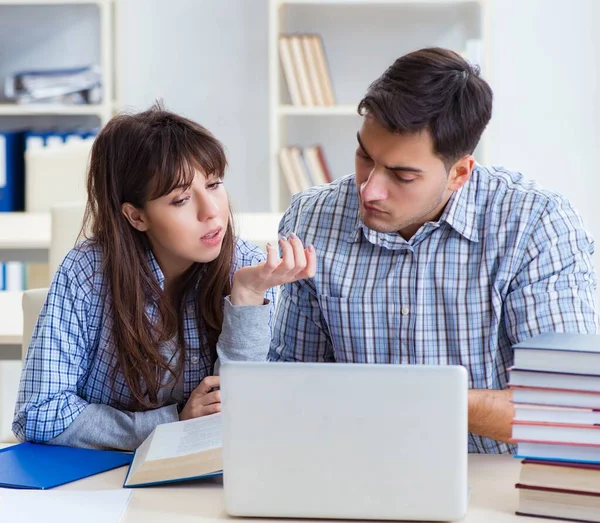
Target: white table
x,y
24,236
492,480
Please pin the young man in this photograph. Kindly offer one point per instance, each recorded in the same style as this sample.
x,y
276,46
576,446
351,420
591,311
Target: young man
x,y
426,257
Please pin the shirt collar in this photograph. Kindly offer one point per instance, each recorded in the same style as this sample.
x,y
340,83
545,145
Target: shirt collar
x,y
461,210
155,269
460,213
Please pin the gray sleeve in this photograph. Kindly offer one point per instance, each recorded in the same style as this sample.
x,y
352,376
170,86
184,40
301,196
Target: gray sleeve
x,y
105,427
246,333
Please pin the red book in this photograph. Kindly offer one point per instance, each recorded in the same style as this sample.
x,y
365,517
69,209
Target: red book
x,y
324,164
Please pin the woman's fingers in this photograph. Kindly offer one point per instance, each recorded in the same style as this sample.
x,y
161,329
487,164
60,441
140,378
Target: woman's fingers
x,y
210,409
295,263
273,259
298,252
208,383
210,398
287,257
311,263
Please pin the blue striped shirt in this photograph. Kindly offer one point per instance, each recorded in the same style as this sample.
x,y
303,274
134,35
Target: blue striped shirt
x,y
506,260
70,359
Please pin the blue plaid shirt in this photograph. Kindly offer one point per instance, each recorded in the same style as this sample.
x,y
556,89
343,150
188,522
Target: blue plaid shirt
x,y
71,355
505,261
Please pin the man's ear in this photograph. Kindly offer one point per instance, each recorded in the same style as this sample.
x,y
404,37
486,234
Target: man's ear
x,y
460,172
135,217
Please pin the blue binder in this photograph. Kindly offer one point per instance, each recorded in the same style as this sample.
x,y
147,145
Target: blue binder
x,y
38,138
37,466
12,171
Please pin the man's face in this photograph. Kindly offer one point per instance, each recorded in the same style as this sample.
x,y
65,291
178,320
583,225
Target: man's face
x,y
401,183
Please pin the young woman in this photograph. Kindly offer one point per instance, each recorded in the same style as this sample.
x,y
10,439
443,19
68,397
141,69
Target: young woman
x,y
139,315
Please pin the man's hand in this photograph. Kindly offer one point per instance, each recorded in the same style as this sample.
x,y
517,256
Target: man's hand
x,y
202,402
491,414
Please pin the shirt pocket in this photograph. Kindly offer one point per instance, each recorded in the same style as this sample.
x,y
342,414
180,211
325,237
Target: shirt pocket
x,y
361,331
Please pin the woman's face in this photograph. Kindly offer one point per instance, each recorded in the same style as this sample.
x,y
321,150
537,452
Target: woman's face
x,y
187,225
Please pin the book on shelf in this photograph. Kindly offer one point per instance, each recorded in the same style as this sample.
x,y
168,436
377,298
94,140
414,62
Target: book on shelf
x,y
305,70
12,171
286,163
178,451
315,167
300,168
12,276
78,85
303,168
289,71
301,67
313,70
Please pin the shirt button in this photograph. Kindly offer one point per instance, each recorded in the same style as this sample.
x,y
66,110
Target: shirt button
x,y
404,311
195,360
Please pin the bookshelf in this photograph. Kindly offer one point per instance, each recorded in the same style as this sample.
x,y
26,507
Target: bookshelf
x,y
30,54
361,38
53,34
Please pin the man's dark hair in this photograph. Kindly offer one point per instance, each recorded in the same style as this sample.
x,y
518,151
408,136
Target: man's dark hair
x,y
435,90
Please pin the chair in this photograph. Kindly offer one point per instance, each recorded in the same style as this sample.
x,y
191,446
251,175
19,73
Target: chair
x,y
66,221
32,303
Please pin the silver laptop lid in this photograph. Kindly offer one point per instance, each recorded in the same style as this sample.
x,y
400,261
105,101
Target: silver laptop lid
x,y
345,440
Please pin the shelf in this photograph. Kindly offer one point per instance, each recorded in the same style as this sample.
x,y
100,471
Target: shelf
x,y
53,109
52,2
295,110
378,2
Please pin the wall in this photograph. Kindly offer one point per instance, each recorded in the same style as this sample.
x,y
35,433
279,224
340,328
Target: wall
x,y
545,59
209,60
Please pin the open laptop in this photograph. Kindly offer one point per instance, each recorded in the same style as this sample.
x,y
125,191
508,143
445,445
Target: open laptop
x,y
352,441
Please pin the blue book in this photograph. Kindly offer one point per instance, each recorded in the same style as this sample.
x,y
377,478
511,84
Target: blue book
x,y
564,353
178,451
559,451
12,171
37,466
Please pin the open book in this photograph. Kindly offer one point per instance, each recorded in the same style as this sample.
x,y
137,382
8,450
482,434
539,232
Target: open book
x,y
178,451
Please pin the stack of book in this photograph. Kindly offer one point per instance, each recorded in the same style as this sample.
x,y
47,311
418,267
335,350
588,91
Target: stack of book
x,y
305,70
304,168
79,85
556,390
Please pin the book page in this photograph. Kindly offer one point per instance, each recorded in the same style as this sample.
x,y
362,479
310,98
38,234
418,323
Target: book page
x,y
181,438
140,455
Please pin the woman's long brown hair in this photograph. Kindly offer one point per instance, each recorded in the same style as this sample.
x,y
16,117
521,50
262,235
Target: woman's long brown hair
x,y
137,158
